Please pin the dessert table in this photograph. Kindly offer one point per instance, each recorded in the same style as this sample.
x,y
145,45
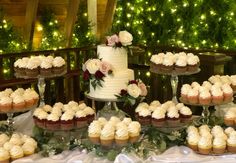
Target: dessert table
x,y
176,154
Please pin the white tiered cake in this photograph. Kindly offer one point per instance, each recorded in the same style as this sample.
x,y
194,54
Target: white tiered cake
x,y
113,84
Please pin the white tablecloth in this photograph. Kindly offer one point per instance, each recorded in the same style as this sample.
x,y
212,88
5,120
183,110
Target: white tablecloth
x,y
175,154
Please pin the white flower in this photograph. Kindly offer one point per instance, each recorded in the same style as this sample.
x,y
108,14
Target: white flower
x,y
133,90
125,38
93,65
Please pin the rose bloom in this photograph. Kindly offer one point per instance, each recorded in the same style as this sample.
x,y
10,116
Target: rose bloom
x,y
93,65
133,90
143,88
125,38
105,67
112,40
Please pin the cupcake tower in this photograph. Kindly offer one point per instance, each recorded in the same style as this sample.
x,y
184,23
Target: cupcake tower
x,y
230,117
178,62
16,146
161,115
225,79
216,140
114,132
39,65
207,93
18,100
63,117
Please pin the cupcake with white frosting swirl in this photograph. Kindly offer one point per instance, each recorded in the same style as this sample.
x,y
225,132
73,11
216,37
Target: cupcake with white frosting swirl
x,y
67,120
58,65
5,104
158,118
94,131
219,145
4,155
121,135
46,67
144,116
134,129
205,145
107,135
185,114
173,118
80,119
16,152
53,121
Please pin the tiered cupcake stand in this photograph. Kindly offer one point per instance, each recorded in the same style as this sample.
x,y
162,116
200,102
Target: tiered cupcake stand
x,y
174,79
41,82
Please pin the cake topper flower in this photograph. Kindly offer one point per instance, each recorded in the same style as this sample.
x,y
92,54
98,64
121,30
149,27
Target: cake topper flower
x,y
124,38
95,70
136,90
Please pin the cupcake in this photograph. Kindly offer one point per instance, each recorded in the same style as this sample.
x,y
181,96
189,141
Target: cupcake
x,y
205,98
80,119
58,65
94,131
156,62
219,145
16,152
179,106
102,121
67,120
233,82
140,107
5,104
3,139
205,145
173,118
107,135
121,135
216,130
16,140
192,141
158,118
228,130
193,96
207,85
82,106
127,121
32,68
28,149
227,92
155,103
181,65
193,63
90,114
29,101
229,118
184,92
45,68
22,64
134,129
29,140
4,155
167,65
185,114
18,103
217,96
40,118
8,146
53,122
231,142
144,116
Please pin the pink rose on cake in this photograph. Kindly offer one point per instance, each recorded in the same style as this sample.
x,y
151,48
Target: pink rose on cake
x,y
95,70
136,91
112,40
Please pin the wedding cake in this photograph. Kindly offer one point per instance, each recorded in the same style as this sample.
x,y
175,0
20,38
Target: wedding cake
x,y
121,75
109,74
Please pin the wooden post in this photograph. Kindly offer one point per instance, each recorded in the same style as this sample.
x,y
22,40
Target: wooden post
x,y
92,14
30,15
108,17
72,10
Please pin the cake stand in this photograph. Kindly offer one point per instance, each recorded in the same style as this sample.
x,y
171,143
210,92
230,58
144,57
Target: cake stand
x,y
10,114
174,80
205,112
41,82
110,108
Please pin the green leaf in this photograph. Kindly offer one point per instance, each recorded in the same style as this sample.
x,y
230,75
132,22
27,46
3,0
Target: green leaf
x,y
162,145
111,155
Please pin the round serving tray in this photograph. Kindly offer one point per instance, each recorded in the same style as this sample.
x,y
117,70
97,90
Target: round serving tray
x,y
174,73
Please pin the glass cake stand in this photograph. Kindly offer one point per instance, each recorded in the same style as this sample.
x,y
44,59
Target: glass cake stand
x,y
110,108
174,80
41,82
205,112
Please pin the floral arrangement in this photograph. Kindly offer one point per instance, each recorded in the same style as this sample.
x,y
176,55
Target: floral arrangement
x,y
95,70
124,38
136,90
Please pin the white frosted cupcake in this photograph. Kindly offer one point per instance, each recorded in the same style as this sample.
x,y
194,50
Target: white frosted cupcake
x,y
219,145
185,114
28,149
3,139
102,121
192,96
217,96
227,92
155,103
192,141
205,145
90,114
134,129
127,121
16,152
18,103
58,65
173,117
158,118
229,130
80,119
94,132
121,135
4,155
107,135
53,122
5,104
144,116
205,97
67,120
231,142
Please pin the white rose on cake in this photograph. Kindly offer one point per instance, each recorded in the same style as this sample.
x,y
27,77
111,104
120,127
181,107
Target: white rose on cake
x,y
133,90
125,38
93,65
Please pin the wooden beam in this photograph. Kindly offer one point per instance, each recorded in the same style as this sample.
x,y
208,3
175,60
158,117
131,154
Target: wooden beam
x,y
72,10
108,17
30,15
92,14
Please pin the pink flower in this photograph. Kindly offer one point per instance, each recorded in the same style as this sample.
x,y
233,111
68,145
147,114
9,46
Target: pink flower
x,y
105,67
112,40
143,88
